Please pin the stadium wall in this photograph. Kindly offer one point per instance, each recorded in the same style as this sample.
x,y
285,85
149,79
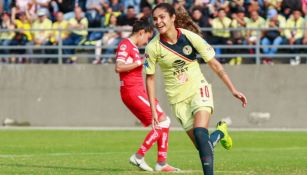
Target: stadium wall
x,y
88,95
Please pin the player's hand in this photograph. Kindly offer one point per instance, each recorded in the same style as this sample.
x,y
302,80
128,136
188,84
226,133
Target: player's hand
x,y
241,97
155,121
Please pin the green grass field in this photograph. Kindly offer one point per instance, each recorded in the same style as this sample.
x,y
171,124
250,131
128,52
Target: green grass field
x,y
40,152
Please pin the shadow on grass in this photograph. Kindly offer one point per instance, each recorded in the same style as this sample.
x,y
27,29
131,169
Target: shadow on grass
x,y
63,167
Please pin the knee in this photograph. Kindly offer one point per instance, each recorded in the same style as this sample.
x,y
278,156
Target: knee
x,y
165,123
200,134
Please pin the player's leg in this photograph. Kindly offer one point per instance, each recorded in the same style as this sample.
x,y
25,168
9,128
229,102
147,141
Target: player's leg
x,y
162,143
133,100
202,108
202,141
162,131
138,158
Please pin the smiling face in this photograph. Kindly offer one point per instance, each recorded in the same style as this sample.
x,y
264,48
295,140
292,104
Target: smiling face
x,y
163,21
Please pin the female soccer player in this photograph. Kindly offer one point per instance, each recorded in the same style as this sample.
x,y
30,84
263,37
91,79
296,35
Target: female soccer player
x,y
129,65
190,95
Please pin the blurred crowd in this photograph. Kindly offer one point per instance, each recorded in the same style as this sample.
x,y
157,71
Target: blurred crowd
x,y
71,19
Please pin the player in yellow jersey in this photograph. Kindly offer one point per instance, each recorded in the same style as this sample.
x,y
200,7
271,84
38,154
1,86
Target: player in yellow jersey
x,y
189,93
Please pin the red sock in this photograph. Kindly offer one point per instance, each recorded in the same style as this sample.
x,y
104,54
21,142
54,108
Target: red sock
x,y
150,139
163,145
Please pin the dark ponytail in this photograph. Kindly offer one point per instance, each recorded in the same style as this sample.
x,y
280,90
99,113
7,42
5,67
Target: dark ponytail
x,y
142,24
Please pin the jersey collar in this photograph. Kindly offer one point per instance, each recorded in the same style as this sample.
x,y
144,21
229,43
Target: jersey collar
x,y
178,35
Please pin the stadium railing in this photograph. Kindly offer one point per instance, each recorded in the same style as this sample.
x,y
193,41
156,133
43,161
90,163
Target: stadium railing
x,y
87,51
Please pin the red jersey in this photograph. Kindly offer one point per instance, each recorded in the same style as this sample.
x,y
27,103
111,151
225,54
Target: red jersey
x,y
127,52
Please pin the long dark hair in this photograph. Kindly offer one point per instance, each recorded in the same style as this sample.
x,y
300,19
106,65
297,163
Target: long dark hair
x,y
183,20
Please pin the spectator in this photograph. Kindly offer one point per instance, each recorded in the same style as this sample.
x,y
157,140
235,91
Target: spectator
x,y
111,39
134,3
305,38
145,13
146,3
67,7
221,35
273,4
94,14
108,11
255,5
7,35
43,5
159,1
289,5
252,36
202,21
23,35
24,6
305,34
5,6
295,35
235,5
220,4
199,18
304,8
127,19
116,6
78,25
272,37
238,36
57,36
41,34
81,4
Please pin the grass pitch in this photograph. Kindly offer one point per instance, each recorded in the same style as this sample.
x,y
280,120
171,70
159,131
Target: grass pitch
x,y
44,152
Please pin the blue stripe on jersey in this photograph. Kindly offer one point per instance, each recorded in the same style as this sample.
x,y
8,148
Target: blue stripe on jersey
x,y
183,47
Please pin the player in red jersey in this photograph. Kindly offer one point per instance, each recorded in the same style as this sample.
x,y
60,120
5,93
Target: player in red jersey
x,y
129,65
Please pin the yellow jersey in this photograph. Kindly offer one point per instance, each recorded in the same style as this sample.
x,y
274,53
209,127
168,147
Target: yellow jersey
x,y
178,63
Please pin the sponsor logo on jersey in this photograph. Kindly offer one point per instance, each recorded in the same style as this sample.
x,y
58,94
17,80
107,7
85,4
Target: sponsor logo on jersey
x,y
180,71
125,54
178,64
123,47
187,50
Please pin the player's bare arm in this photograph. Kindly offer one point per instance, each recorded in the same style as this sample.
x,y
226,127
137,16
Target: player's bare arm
x,y
219,70
123,67
150,86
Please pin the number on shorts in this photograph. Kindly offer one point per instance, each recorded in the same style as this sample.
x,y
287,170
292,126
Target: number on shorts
x,y
205,88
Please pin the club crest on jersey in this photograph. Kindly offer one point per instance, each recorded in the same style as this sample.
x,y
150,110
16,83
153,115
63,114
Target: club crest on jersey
x,y
187,50
123,47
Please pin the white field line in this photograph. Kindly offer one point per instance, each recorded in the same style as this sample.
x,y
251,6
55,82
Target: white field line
x,y
139,128
190,172
60,154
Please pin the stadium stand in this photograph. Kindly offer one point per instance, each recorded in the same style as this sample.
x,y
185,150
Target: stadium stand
x,y
242,31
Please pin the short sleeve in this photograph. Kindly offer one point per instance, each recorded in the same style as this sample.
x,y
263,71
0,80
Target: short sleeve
x,y
205,50
151,59
122,53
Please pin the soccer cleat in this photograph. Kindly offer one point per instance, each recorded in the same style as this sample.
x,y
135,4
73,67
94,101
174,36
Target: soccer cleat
x,y
140,163
166,168
226,141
